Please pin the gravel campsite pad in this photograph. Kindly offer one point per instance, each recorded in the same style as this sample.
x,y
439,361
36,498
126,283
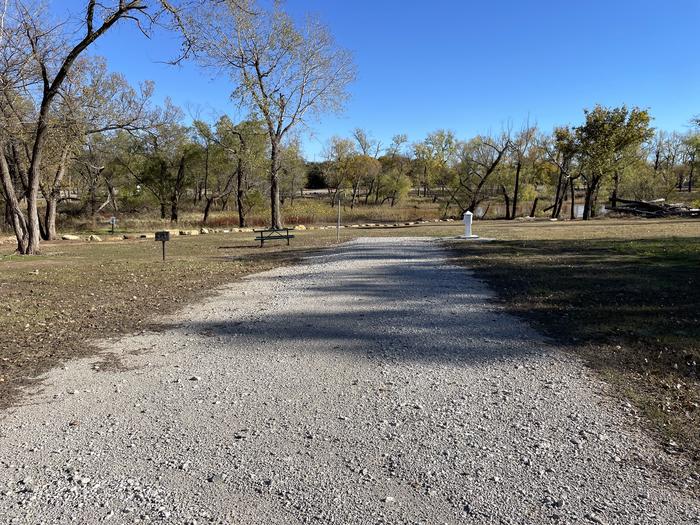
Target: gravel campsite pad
x,y
371,384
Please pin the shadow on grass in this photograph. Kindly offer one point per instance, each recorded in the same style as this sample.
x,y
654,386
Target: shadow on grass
x,y
630,308
602,290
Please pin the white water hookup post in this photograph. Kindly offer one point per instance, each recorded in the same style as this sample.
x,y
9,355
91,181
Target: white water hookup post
x,y
468,216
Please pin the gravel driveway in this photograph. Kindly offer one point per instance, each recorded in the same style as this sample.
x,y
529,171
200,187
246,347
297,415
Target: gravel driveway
x,y
371,384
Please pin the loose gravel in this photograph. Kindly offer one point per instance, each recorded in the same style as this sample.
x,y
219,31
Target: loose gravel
x,y
373,384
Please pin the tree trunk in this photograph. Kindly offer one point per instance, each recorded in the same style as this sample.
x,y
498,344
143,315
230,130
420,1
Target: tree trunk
x,y
657,158
594,204
240,193
18,220
93,198
506,201
369,191
560,202
275,216
616,184
49,233
34,173
534,207
690,177
162,209
515,192
557,195
224,202
588,202
112,193
207,208
572,212
355,187
33,226
177,190
335,197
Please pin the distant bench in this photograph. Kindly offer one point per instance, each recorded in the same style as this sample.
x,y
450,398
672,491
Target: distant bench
x,y
273,234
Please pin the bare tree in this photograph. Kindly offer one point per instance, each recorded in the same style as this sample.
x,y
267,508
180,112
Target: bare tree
x,y
37,61
520,149
479,160
285,72
92,101
368,146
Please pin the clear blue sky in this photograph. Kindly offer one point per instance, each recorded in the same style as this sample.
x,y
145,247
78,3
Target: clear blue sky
x,y
471,66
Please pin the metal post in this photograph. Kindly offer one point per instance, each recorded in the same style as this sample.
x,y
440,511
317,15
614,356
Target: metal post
x,y
163,250
337,228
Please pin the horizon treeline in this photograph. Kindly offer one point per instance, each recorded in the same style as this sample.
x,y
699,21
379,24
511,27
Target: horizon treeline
x,y
613,154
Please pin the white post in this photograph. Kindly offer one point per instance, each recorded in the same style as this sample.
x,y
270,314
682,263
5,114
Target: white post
x,y
468,225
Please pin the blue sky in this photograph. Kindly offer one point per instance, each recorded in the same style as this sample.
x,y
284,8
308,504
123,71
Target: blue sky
x,y
469,66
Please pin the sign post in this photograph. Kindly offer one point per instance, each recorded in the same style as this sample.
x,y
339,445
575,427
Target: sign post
x,y
113,223
163,237
337,227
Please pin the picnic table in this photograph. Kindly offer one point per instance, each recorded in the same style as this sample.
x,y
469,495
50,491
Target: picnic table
x,y
273,234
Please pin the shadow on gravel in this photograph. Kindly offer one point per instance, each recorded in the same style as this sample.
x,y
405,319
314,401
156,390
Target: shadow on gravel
x,y
409,304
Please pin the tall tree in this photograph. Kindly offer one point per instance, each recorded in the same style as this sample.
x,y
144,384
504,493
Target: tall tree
x,y
233,155
371,148
338,153
37,59
435,155
93,101
520,147
394,182
285,72
479,160
161,160
608,136
561,151
363,171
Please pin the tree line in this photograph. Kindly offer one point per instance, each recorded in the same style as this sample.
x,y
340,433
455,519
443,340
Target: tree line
x,y
78,138
62,112
614,153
